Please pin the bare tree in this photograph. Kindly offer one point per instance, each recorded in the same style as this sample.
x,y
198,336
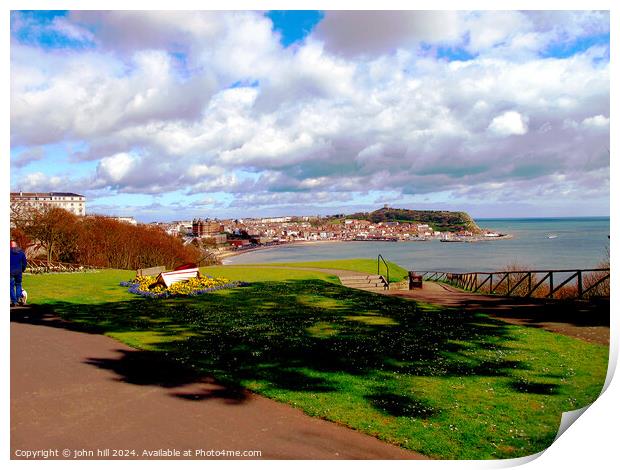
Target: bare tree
x,y
53,228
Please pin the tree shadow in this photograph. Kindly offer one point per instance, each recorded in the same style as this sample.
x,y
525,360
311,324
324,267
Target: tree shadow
x,y
147,368
401,406
295,336
595,312
531,311
536,388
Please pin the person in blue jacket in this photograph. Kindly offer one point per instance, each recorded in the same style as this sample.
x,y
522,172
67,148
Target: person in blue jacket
x,y
18,266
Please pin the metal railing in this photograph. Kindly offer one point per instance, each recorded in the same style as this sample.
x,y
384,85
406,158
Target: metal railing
x,y
534,283
387,269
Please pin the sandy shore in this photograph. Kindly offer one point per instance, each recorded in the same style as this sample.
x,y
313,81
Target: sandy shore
x,y
222,255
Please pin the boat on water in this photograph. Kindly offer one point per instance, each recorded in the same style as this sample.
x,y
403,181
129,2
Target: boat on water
x,y
451,240
552,235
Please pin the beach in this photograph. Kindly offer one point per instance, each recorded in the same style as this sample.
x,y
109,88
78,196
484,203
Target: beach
x,y
227,254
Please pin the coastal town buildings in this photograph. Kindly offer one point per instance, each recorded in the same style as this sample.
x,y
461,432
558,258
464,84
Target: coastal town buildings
x,y
206,228
291,229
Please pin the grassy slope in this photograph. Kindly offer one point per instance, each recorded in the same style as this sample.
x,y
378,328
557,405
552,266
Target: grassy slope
x,y
447,384
362,265
252,274
87,288
102,286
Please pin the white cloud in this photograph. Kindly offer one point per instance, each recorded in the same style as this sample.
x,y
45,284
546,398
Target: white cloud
x,y
353,33
39,181
71,31
212,102
488,29
115,169
599,121
509,123
197,171
28,156
287,198
85,95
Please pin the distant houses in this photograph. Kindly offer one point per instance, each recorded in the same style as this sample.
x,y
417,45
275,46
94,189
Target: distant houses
x,y
266,231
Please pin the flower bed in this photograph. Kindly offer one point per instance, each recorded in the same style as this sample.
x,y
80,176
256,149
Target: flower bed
x,y
192,287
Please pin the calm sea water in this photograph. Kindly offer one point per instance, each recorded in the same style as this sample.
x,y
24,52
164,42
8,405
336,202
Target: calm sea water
x,y
581,243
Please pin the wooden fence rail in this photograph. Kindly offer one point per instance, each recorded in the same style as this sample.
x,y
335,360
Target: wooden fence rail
x,y
579,283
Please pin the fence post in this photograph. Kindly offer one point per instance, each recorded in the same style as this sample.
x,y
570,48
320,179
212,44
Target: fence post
x,y
579,285
551,284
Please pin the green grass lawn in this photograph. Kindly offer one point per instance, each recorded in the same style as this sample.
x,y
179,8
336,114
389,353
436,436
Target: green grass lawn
x,y
86,288
444,383
397,273
251,273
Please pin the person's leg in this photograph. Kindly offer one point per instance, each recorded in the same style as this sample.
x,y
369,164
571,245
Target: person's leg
x,y
18,287
13,298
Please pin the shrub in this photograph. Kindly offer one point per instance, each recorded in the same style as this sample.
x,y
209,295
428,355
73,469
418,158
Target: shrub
x,y
512,279
603,288
107,243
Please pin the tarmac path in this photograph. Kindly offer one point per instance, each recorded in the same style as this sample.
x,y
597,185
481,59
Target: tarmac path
x,y
74,390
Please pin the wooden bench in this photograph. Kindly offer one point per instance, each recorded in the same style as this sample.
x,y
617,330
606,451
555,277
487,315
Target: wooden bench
x,y
154,271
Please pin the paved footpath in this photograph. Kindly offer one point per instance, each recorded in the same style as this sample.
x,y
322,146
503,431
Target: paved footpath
x,y
74,390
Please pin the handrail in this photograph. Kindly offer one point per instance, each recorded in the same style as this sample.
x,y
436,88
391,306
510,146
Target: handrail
x,y
519,272
387,268
508,281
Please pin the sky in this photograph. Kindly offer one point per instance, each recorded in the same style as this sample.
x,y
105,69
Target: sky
x,y
174,115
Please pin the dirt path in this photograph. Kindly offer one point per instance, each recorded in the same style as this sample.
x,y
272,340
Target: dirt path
x,y
74,390
588,321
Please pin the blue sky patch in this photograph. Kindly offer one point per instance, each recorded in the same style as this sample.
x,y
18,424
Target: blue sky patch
x,y
245,84
454,53
562,50
294,25
39,28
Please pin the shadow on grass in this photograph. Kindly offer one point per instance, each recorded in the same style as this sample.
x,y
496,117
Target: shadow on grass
x,y
398,405
537,388
302,335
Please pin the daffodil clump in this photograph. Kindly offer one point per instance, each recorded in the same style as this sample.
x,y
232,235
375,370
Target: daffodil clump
x,y
195,286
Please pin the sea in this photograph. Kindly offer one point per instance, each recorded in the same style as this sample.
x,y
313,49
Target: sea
x,y
535,243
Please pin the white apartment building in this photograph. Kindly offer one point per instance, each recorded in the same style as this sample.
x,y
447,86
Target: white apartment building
x,y
72,202
127,220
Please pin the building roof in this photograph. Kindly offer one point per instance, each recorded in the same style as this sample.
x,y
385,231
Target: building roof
x,y
23,194
66,194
